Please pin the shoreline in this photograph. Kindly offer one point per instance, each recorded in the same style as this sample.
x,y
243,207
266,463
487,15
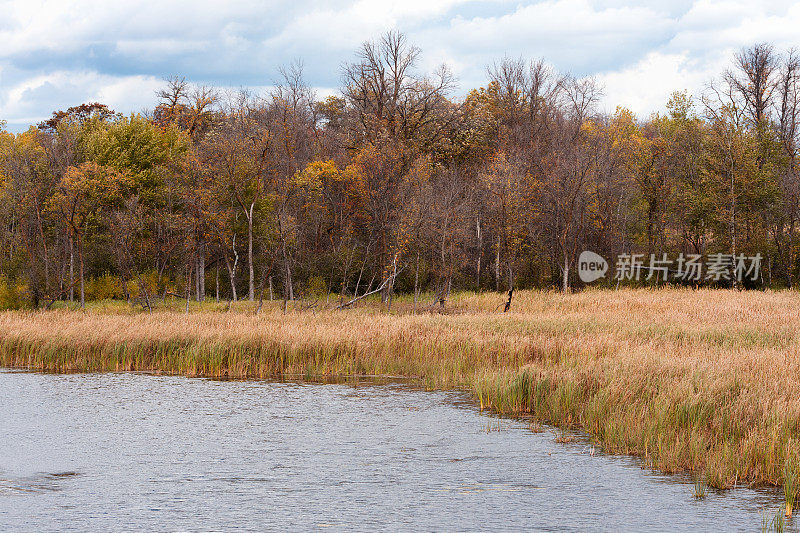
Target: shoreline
x,y
710,390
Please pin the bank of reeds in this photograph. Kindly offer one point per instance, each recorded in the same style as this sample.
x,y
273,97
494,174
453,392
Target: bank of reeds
x,y
701,381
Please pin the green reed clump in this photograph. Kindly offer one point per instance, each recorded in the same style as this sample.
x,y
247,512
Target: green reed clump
x,y
775,524
699,489
790,481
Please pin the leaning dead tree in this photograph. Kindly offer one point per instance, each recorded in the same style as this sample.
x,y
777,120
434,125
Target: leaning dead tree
x,y
389,280
508,303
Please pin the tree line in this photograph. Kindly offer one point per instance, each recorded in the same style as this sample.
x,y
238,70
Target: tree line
x,y
394,185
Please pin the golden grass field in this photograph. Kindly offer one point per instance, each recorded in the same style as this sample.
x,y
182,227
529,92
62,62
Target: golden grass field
x,y
706,381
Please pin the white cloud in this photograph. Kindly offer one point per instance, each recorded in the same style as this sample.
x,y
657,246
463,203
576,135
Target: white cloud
x,y
56,54
647,85
23,103
574,35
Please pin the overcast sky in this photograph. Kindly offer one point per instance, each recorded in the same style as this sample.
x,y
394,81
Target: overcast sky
x,y
55,54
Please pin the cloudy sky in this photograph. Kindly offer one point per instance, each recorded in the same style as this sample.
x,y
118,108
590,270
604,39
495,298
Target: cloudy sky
x,y
55,54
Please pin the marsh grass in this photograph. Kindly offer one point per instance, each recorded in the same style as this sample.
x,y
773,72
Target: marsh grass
x,y
493,426
535,427
790,479
564,437
699,489
689,380
775,523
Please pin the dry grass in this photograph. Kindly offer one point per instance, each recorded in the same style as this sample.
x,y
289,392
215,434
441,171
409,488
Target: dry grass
x,y
705,381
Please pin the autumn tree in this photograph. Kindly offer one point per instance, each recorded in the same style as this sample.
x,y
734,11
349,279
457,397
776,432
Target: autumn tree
x,y
80,196
396,114
237,153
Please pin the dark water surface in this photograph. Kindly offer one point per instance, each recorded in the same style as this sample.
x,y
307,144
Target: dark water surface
x,y
122,452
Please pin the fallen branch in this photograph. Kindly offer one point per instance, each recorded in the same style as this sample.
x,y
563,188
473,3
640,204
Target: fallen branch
x,y
378,289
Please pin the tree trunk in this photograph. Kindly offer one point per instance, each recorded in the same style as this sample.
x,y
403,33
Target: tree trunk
x,y
789,260
733,227
390,293
197,278
80,260
650,229
201,272
416,284
288,289
251,286
71,268
497,266
231,276
188,286
44,249
480,255
565,280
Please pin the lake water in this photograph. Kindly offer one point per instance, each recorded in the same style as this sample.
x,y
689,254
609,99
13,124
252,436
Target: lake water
x,y
113,452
